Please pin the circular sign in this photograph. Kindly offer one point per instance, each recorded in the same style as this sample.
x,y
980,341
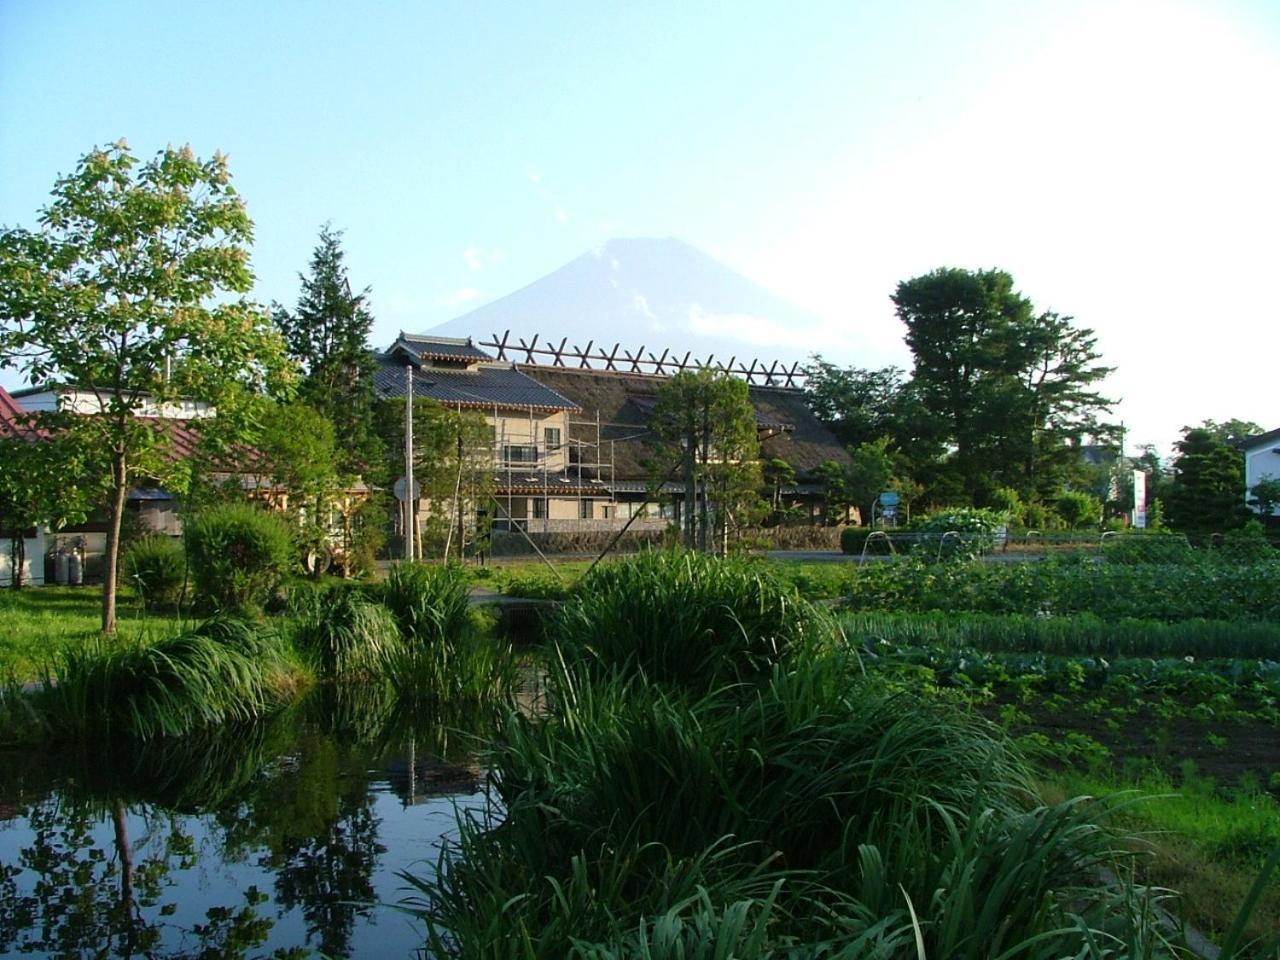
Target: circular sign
x,y
398,488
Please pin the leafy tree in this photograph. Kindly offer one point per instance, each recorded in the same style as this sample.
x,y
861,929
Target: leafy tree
x,y
1078,508
1208,478
328,336
861,406
1015,388
1265,495
704,420
126,290
452,463
776,474
1230,431
836,496
872,471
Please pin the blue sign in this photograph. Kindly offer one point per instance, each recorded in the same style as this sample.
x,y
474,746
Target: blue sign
x,y
888,499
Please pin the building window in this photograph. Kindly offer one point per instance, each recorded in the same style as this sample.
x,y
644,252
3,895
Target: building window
x,y
519,453
584,509
551,436
539,509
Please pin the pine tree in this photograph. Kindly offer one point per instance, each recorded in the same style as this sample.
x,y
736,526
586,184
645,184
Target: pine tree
x,y
328,336
1207,493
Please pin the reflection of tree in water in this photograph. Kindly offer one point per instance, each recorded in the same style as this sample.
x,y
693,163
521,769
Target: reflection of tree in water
x,y
292,794
108,901
330,875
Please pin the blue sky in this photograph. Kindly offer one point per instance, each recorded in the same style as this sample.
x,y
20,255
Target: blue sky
x,y
1119,158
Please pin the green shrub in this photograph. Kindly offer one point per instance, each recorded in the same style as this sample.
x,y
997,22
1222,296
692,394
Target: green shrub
x,y
685,618
852,540
1038,516
1078,508
155,566
238,555
975,531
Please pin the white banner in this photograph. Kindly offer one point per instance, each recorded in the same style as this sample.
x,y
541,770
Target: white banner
x,y
1139,499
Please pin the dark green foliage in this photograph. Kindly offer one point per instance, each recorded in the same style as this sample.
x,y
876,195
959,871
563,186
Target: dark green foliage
x,y
328,336
686,619
1078,508
224,671
811,818
1207,493
444,658
156,568
238,555
346,634
1203,589
852,539
428,601
1080,635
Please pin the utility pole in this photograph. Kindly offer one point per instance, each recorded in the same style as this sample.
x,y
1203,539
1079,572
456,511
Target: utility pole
x,y
410,504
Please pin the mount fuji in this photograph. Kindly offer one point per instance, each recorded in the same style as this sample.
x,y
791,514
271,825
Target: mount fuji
x,y
659,294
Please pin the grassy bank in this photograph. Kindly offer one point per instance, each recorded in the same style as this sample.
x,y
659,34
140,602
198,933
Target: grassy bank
x,y
719,776
41,623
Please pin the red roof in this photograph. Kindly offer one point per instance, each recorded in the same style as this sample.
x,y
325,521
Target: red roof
x,y
15,419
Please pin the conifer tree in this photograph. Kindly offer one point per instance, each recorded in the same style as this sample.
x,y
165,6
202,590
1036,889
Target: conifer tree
x,y
328,335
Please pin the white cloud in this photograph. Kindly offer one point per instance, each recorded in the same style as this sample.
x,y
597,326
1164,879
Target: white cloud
x,y
459,296
561,215
534,177
478,258
741,327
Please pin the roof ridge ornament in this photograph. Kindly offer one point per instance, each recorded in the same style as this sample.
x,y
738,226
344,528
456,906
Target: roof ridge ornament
x,y
758,373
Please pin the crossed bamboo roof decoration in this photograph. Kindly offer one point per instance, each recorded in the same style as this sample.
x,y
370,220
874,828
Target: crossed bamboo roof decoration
x,y
620,360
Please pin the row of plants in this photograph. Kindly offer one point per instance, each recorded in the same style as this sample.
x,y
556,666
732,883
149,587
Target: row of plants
x,y
1063,587
1083,634
719,775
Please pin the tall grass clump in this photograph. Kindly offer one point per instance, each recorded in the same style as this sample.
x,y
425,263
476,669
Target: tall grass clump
x,y
223,671
238,554
346,635
685,618
156,568
818,812
430,602
444,656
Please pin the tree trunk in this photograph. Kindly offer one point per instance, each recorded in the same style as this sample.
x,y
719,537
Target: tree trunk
x,y
18,557
111,562
690,494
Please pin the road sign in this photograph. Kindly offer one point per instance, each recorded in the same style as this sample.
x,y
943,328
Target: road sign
x,y
889,499
399,490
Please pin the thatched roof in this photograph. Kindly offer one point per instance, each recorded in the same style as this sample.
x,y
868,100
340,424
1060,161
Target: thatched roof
x,y
624,404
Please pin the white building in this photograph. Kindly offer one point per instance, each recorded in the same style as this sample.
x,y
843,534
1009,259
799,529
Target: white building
x,y
1261,461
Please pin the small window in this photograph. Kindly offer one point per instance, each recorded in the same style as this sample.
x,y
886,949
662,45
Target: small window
x,y
519,453
551,436
539,509
584,509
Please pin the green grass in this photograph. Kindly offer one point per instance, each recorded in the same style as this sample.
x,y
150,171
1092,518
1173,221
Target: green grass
x,y
41,623
1207,843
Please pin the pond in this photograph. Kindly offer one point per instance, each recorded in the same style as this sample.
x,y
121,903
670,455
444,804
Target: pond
x,y
285,839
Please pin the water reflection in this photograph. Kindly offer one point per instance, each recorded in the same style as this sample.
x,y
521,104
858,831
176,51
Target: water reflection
x,y
276,840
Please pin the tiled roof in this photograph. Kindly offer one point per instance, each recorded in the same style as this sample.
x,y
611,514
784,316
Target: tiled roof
x,y
625,401
442,348
486,385
15,419
1258,440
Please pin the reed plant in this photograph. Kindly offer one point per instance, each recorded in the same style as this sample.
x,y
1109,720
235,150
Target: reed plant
x,y
430,602
815,815
221,672
685,618
346,635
